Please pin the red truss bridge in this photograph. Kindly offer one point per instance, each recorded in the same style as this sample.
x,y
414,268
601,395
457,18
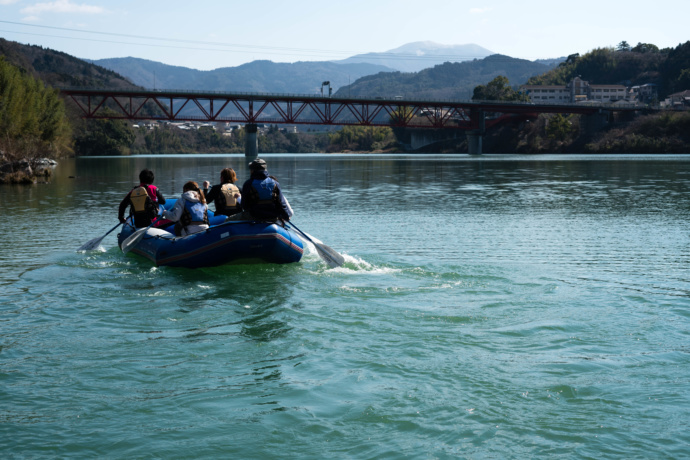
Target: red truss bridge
x,y
257,108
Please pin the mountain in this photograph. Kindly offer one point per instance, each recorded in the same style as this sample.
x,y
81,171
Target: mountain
x,y
60,69
255,77
554,62
416,56
451,80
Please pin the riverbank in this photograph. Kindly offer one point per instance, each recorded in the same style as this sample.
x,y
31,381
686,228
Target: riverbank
x,y
667,132
26,171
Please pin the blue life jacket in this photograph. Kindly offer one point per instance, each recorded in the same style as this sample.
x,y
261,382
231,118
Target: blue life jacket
x,y
262,198
196,212
265,203
264,188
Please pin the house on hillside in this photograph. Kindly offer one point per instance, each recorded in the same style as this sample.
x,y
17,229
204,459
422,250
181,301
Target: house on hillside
x,y
643,93
577,90
677,100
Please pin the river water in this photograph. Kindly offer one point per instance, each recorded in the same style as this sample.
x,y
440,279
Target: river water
x,y
500,306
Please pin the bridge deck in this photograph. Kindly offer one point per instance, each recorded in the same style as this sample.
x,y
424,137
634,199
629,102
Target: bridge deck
x,y
270,108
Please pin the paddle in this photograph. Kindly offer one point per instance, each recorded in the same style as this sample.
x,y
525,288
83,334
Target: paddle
x,y
94,243
133,239
328,254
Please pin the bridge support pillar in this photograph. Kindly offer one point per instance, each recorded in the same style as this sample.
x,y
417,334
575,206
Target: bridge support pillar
x,y
476,136
593,123
251,145
474,142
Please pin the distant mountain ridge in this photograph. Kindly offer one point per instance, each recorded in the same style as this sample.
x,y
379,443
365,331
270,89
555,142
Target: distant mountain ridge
x,y
446,81
454,80
255,76
60,69
416,56
361,75
450,80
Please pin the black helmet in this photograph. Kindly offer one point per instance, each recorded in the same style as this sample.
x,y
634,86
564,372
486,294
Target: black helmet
x,y
258,164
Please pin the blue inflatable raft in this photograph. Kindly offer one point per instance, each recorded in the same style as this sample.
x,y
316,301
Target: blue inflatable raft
x,y
222,243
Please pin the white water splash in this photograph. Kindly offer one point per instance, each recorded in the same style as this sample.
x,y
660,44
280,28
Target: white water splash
x,y
352,265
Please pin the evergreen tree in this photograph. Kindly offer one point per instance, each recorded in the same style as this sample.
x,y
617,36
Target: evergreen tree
x,y
498,89
105,137
32,117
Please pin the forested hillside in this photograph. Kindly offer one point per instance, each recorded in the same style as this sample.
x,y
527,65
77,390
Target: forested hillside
x,y
57,69
34,121
253,77
642,64
32,117
447,81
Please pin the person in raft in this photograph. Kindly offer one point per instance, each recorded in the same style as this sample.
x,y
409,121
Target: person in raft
x,y
262,198
190,212
143,201
226,195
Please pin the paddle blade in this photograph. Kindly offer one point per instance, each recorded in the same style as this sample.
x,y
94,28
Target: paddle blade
x,y
133,239
91,244
329,255
94,243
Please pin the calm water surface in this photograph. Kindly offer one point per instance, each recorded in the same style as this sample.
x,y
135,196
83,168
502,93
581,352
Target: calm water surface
x,y
490,307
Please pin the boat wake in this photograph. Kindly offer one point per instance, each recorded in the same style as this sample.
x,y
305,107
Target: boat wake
x,y
352,265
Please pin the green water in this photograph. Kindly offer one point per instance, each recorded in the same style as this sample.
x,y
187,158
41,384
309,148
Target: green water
x,y
490,307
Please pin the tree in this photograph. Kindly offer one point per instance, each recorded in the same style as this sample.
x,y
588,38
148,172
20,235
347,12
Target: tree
x,y
32,117
105,137
645,48
623,46
362,138
572,59
673,68
498,89
559,127
683,80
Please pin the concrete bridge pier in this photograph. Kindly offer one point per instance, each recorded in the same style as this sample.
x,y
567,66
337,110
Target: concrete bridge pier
x,y
476,136
251,145
474,142
592,123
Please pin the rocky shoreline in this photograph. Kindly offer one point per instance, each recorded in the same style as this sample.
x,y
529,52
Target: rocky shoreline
x,y
26,170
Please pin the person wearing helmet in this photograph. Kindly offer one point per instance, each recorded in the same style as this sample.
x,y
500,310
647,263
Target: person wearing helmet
x,y
261,194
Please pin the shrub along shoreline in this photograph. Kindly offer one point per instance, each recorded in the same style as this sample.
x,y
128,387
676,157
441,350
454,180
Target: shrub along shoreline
x,y
26,171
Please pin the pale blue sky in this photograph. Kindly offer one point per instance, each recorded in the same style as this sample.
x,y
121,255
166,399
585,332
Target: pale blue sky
x,y
213,33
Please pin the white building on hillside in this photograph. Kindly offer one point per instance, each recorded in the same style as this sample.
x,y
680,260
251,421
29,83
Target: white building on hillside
x,y
578,90
679,100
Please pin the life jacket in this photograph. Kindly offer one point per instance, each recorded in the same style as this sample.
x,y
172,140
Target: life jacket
x,y
262,198
144,206
266,194
194,213
226,200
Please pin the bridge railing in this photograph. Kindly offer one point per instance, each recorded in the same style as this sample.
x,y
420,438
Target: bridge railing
x,y
486,104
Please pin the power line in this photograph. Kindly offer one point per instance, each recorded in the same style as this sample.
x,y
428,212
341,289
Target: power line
x,y
176,40
305,52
